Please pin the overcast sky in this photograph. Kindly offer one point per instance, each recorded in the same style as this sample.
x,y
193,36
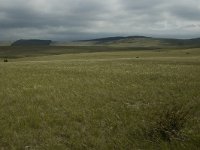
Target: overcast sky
x,y
84,19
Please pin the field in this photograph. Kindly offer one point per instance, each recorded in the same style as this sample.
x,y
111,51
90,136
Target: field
x,y
110,98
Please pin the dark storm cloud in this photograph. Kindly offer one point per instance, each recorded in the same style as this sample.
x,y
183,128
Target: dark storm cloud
x,y
79,19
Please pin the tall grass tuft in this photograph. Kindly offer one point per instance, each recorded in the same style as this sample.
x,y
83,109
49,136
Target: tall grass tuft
x,y
169,122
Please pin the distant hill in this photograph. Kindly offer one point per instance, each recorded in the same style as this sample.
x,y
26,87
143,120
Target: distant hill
x,y
183,42
33,42
109,39
141,41
119,41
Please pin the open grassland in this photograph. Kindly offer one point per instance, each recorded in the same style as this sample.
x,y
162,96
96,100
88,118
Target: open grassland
x,y
101,100
34,51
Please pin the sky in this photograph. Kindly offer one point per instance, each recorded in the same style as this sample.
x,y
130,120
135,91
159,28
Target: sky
x,y
86,19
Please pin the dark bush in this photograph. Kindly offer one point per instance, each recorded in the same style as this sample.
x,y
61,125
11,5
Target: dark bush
x,y
5,60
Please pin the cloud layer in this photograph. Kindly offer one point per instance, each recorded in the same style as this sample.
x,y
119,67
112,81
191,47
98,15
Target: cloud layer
x,y
84,19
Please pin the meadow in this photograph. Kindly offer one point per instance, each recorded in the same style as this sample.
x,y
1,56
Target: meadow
x,y
99,98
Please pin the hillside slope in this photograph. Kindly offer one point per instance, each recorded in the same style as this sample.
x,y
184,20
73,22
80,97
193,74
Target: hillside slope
x,y
32,42
139,41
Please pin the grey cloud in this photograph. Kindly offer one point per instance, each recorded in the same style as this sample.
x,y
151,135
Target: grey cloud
x,y
186,12
79,19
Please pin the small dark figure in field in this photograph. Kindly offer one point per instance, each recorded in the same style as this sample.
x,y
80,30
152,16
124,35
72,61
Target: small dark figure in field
x,y
5,60
137,57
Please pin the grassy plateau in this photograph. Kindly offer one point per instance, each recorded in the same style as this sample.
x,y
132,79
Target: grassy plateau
x,y
106,98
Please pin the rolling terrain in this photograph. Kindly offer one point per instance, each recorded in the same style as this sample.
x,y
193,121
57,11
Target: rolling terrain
x,y
100,96
28,48
136,41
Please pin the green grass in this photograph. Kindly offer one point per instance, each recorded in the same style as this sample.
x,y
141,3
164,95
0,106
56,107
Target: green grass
x,y
14,52
101,100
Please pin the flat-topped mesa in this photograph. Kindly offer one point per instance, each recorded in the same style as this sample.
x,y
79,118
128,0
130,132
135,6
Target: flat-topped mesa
x,y
33,42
